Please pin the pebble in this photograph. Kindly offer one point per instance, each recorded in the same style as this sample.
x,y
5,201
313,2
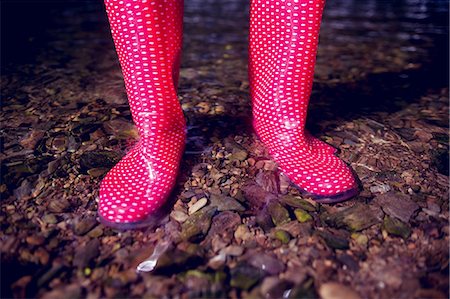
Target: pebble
x,y
302,216
260,164
96,232
333,240
266,262
360,239
42,255
217,261
233,250
225,203
381,188
84,255
198,205
179,216
297,229
298,202
84,225
242,233
35,240
197,224
49,219
203,107
334,290
99,159
121,128
355,218
251,161
278,213
31,139
97,172
239,155
57,143
282,235
244,277
396,227
397,205
268,284
59,205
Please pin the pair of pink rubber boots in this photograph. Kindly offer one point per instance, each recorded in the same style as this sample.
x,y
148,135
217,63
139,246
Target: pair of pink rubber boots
x,y
282,53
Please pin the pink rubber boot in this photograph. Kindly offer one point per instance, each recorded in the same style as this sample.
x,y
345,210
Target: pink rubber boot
x,y
318,145
148,37
283,46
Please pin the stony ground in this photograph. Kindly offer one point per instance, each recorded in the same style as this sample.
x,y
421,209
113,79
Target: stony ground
x,y
237,227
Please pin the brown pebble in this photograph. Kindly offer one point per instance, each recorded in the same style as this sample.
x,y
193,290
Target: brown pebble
x,y
59,205
259,164
35,240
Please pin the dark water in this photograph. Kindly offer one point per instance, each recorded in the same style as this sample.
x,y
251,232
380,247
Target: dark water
x,y
27,25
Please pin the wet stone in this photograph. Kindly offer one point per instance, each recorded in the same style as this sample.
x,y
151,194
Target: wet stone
x,y
59,205
96,232
302,216
242,233
256,196
273,288
304,290
197,224
278,213
334,290
355,218
267,285
239,155
442,138
50,274
440,160
175,260
84,225
282,235
397,205
266,262
244,277
297,229
35,240
360,239
396,227
349,262
380,188
224,223
269,181
198,205
297,202
49,219
85,255
97,172
31,139
19,287
24,190
70,291
264,220
179,216
98,159
225,203
334,240
233,250
57,143
406,133
121,129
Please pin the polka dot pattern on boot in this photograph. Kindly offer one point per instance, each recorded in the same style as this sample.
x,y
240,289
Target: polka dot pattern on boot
x,y
148,37
282,52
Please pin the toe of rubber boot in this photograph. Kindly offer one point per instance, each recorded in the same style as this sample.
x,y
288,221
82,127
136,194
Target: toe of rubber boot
x,y
133,193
